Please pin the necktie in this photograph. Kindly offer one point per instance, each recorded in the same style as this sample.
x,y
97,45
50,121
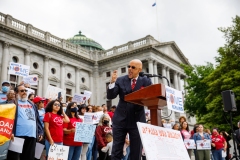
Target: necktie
x,y
133,83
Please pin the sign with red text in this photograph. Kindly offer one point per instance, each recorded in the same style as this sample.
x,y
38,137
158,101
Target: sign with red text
x,y
189,144
203,144
31,79
92,118
162,143
174,99
58,152
18,69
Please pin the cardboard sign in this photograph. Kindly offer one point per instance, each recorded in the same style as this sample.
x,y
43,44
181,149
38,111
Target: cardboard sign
x,y
79,98
18,69
31,79
7,115
203,144
84,132
52,92
174,99
92,118
58,152
87,94
162,143
189,144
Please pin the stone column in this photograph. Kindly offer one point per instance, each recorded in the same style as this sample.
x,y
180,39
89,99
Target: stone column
x,y
168,74
40,81
5,60
185,85
164,74
63,76
91,87
45,75
155,72
150,67
179,81
175,80
77,80
27,57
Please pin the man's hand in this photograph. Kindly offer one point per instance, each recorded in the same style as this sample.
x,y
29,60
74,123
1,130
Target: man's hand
x,y
114,76
12,137
40,137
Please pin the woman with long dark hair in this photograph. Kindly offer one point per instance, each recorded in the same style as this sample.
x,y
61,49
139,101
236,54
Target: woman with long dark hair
x,y
186,135
53,123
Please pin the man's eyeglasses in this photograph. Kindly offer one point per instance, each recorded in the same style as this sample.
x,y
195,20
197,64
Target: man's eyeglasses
x,y
133,67
24,90
55,104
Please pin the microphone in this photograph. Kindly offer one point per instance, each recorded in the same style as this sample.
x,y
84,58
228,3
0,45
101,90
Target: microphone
x,y
142,74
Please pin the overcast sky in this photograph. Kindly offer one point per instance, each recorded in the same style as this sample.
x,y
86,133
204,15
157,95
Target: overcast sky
x,y
192,24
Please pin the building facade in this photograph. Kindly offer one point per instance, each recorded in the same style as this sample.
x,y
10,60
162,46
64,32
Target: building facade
x,y
79,63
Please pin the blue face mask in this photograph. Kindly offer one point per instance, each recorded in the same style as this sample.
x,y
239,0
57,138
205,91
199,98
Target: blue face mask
x,y
5,89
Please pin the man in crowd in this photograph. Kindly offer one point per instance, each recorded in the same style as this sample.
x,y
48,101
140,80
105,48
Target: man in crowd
x,y
10,97
27,126
127,114
5,88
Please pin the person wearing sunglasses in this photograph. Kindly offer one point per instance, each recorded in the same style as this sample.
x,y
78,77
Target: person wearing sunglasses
x,y
27,126
127,114
53,123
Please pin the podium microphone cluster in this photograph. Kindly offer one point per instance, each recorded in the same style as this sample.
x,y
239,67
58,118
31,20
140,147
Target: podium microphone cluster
x,y
142,74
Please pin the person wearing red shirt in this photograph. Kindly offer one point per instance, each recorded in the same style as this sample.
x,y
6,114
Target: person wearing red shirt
x,y
111,113
75,148
53,124
102,129
219,143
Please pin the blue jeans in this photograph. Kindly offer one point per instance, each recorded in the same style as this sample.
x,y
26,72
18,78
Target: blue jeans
x,y
128,152
74,152
47,145
217,154
90,146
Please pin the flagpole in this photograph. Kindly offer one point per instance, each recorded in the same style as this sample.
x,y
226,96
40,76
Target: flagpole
x,y
157,20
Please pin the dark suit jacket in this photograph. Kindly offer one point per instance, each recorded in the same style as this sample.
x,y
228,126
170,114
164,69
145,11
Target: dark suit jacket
x,y
237,137
127,114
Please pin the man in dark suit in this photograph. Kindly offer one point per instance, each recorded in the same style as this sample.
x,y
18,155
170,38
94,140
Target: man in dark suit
x,y
127,114
237,137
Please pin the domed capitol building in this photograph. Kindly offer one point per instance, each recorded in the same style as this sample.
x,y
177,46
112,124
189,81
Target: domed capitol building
x,y
80,63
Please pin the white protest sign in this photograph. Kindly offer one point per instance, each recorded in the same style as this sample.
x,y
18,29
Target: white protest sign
x,y
79,98
92,118
167,125
88,94
31,79
58,152
203,144
30,91
16,145
161,143
18,69
84,132
174,99
38,150
52,92
189,144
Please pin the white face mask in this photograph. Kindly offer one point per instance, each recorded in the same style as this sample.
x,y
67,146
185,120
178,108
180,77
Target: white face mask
x,y
22,99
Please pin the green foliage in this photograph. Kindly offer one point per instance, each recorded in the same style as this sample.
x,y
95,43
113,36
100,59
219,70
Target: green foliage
x,y
205,92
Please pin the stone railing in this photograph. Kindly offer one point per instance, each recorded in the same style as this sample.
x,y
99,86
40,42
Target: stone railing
x,y
41,35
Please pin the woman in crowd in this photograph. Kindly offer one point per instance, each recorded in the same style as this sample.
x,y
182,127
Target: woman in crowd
x,y
186,135
101,131
39,102
175,126
53,124
200,135
219,144
227,137
75,148
89,108
31,97
182,119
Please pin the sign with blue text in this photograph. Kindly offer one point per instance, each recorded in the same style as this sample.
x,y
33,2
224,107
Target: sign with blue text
x,y
84,132
18,69
174,99
31,79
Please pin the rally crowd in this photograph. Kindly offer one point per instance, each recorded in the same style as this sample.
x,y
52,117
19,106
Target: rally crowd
x,y
53,122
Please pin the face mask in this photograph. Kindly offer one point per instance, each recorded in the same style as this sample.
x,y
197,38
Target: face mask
x,y
105,122
214,133
5,89
74,109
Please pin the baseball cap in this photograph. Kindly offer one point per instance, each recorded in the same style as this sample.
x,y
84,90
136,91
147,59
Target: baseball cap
x,y
38,99
6,82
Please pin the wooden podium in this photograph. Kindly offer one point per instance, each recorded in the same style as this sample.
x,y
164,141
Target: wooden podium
x,y
154,97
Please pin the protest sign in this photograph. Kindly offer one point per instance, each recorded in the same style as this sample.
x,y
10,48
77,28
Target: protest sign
x,y
58,152
38,150
84,132
30,91
203,144
79,98
174,99
31,79
18,69
16,145
87,94
189,144
52,92
7,115
92,118
162,143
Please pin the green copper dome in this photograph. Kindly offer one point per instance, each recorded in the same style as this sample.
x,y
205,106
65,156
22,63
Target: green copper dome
x,y
85,42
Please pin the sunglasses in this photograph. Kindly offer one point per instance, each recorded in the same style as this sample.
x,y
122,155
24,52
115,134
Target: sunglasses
x,y
55,104
24,90
133,67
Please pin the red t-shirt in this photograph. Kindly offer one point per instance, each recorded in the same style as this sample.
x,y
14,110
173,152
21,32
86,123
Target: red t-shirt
x,y
55,126
100,134
111,114
218,141
68,139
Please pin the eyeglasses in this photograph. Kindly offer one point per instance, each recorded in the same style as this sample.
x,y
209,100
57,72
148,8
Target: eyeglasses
x,y
133,67
24,90
56,104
